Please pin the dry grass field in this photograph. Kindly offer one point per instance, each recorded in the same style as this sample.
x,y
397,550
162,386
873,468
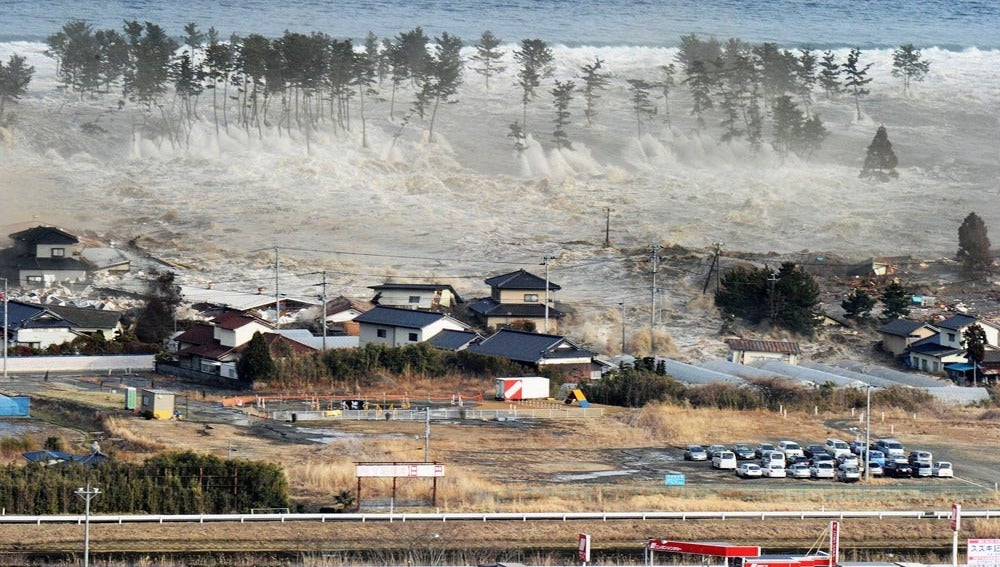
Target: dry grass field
x,y
612,463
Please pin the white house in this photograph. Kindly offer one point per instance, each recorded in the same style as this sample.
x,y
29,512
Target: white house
x,y
952,329
415,296
398,327
748,351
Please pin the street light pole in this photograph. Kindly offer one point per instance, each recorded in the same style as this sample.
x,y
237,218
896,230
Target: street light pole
x,y
545,262
868,433
5,327
87,494
623,325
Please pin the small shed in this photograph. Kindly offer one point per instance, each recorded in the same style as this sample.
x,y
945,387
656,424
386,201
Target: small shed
x,y
159,402
748,351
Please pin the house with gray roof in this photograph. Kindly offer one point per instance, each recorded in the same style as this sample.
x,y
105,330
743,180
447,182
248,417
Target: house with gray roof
x,y
748,351
539,351
517,297
952,329
899,334
40,326
394,326
42,256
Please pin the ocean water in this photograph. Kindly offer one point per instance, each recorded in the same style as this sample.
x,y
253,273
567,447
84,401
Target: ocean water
x,y
950,24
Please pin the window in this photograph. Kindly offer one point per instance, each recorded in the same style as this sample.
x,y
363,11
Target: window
x,y
951,337
531,298
380,333
935,366
58,252
34,279
413,337
414,299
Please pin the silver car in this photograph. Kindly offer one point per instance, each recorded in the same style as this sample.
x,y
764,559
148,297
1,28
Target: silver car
x,y
695,453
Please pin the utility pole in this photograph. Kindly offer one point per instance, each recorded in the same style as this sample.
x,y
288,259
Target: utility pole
x,y
87,494
714,267
277,298
773,278
654,249
322,318
6,329
427,436
545,262
623,325
868,433
607,227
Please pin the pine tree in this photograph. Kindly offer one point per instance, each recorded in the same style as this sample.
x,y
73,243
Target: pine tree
x,y
856,78
666,84
895,301
562,95
156,320
516,132
699,81
829,74
642,106
787,126
788,298
594,81
14,79
535,58
974,248
444,73
806,75
811,136
908,65
858,304
974,339
488,56
255,363
880,162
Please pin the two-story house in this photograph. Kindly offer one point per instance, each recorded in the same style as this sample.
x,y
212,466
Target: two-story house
x,y
429,297
393,326
43,255
41,326
539,351
947,346
899,334
518,297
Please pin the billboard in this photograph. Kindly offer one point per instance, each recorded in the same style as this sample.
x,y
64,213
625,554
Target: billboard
x,y
391,470
983,552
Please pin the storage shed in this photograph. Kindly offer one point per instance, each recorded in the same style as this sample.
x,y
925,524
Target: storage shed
x,y
159,402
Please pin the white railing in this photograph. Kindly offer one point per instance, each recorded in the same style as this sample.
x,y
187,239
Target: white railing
x,y
498,516
439,413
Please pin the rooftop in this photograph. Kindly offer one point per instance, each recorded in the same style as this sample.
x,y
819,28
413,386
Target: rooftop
x,y
900,327
45,235
780,347
396,317
520,279
524,346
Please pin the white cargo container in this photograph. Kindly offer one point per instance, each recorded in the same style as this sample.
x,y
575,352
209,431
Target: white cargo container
x,y
522,388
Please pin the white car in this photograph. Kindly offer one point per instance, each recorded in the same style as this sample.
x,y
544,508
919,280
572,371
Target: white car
x,y
790,449
799,470
748,470
848,473
836,447
942,469
822,469
774,469
724,460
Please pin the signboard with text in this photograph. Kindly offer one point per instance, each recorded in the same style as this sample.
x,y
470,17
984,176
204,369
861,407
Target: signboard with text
x,y
405,470
983,552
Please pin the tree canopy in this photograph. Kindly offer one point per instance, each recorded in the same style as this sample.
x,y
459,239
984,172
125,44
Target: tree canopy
x,y
788,298
880,161
255,363
974,248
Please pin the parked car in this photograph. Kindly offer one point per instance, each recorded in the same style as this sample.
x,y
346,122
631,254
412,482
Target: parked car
x,y
801,459
724,460
790,449
848,473
857,447
922,469
875,469
849,459
822,470
896,469
713,450
813,450
799,470
744,452
891,447
920,457
695,453
943,469
836,447
763,448
822,458
748,470
773,469
776,457
878,457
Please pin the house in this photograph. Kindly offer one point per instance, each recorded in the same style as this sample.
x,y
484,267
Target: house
x,y
430,297
952,329
539,351
212,302
454,340
899,334
106,260
41,326
929,355
394,326
340,315
749,351
518,297
215,347
42,256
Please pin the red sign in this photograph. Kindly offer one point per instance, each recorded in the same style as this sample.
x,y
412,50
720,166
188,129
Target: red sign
x,y
712,549
834,542
583,548
956,517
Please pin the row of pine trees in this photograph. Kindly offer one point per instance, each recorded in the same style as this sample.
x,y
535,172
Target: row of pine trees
x,y
302,81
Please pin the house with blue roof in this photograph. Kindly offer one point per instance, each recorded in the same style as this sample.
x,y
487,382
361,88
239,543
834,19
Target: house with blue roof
x,y
395,326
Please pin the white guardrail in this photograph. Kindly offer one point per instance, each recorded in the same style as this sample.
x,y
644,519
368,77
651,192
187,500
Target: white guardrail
x,y
498,517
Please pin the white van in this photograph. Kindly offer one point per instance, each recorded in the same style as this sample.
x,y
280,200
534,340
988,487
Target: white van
x,y
775,457
837,447
724,460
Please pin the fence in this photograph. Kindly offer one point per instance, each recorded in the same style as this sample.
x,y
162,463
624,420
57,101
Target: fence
x,y
437,414
118,362
199,377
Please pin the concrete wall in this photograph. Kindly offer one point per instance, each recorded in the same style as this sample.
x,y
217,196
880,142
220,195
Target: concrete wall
x,y
38,364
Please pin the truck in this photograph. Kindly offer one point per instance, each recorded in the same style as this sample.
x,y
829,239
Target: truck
x,y
522,388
